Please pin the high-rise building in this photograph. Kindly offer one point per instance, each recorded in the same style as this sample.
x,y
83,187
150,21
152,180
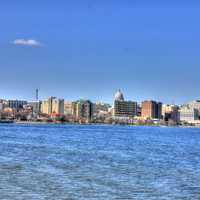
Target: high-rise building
x,y
16,104
124,108
158,110
58,106
45,107
53,105
68,106
82,110
151,109
36,106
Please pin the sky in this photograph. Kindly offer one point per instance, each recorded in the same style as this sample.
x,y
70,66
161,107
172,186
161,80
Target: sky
x,y
89,49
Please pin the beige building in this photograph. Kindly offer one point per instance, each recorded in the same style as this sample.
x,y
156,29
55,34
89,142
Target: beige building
x,y
68,106
53,105
45,107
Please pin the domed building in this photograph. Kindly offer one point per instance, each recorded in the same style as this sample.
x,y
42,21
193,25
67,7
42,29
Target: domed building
x,y
119,96
124,108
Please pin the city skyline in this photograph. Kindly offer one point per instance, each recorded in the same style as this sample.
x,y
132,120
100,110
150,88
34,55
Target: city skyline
x,y
38,98
58,110
89,49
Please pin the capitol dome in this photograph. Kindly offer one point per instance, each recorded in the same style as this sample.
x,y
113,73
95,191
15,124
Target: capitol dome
x,y
119,96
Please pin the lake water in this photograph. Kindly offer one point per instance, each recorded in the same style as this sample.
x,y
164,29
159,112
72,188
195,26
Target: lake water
x,y
69,162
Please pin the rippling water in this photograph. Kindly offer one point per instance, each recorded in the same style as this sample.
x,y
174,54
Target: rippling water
x,y
99,162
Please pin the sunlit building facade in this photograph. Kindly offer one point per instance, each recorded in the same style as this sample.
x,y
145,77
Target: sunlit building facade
x,y
151,109
53,105
124,108
82,110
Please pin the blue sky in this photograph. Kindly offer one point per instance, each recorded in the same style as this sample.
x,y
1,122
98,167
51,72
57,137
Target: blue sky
x,y
88,49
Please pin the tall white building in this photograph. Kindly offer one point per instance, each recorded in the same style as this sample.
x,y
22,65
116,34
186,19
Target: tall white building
x,y
194,104
189,114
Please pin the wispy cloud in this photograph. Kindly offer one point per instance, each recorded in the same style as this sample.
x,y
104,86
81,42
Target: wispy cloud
x,y
27,42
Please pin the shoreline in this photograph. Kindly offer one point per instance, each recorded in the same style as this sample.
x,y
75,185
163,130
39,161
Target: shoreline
x,y
68,123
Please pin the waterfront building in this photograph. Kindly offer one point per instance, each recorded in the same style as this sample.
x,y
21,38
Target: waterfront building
x,y
27,109
151,109
3,104
124,108
99,108
158,110
82,110
194,104
166,108
68,106
16,104
170,112
53,105
175,115
45,107
36,106
58,106
188,114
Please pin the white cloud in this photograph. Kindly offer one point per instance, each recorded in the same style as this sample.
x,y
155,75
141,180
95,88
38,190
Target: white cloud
x,y
28,42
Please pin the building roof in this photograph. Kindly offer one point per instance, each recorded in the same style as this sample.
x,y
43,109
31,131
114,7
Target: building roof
x,y
119,96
